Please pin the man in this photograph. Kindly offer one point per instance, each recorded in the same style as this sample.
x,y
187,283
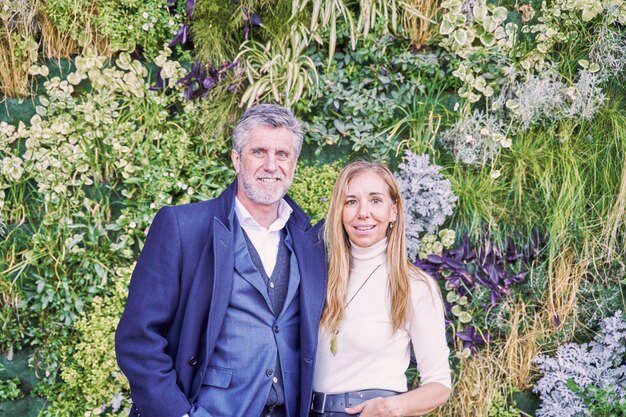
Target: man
x,y
224,303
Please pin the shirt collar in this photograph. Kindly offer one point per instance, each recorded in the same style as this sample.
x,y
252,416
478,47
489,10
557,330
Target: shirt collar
x,y
246,219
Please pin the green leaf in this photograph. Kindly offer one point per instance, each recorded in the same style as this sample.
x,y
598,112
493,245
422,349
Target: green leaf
x,y
340,126
487,39
446,27
460,37
500,13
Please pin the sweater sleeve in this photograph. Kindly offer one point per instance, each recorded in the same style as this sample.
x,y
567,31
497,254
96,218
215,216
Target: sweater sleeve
x,y
428,333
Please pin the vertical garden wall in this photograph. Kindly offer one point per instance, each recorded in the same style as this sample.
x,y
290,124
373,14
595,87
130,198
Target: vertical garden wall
x,y
504,121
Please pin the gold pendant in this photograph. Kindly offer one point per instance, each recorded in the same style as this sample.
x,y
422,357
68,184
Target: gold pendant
x,y
334,344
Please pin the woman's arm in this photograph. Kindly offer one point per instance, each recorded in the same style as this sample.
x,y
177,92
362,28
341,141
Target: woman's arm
x,y
417,402
428,337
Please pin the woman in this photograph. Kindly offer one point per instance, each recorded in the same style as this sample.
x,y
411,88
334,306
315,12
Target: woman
x,y
377,305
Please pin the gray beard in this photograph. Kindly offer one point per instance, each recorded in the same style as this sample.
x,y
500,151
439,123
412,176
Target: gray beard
x,y
261,197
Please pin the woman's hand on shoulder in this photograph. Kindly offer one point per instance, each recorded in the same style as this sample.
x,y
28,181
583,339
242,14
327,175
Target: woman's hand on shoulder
x,y
376,407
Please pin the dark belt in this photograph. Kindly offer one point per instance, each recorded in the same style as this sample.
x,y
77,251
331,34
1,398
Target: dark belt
x,y
337,403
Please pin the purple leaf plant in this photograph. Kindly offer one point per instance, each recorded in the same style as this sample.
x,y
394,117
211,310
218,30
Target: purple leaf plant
x,y
469,267
202,79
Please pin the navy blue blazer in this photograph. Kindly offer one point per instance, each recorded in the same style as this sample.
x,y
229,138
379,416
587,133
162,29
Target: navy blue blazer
x,y
178,296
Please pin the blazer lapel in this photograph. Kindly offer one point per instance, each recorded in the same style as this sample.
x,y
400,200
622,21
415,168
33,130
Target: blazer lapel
x,y
224,261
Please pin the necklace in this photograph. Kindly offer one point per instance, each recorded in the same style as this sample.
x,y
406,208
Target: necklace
x,y
334,343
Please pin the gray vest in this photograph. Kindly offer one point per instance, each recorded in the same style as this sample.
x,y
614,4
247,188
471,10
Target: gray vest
x,y
259,344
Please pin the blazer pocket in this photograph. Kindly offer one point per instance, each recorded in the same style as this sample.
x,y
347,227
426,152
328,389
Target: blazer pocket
x,y
218,377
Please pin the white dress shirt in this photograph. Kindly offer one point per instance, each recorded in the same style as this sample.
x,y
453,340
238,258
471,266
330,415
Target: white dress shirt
x,y
265,240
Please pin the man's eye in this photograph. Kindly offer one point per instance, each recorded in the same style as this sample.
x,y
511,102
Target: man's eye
x,y
258,152
282,155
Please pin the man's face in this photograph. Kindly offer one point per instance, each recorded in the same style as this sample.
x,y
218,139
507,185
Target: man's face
x,y
266,165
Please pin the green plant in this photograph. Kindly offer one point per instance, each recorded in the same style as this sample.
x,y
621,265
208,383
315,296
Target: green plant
x,y
364,93
500,407
10,390
600,402
18,46
278,70
313,186
91,381
219,28
81,183
120,25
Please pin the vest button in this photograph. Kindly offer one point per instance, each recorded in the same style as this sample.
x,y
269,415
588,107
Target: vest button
x,y
276,328
269,372
193,361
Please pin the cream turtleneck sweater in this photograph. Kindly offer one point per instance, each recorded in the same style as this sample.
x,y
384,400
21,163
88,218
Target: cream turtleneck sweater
x,y
369,354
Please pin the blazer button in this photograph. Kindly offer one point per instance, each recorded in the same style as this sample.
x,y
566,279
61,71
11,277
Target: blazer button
x,y
193,361
269,372
276,328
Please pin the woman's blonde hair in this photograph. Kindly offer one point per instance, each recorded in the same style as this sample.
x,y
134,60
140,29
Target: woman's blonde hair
x,y
340,261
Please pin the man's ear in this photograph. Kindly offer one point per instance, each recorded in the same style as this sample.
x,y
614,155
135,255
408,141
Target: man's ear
x,y
234,156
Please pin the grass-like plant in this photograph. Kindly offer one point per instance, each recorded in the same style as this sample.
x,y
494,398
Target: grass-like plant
x,y
279,70
55,42
18,46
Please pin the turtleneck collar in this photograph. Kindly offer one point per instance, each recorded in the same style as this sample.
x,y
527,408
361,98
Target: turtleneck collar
x,y
368,257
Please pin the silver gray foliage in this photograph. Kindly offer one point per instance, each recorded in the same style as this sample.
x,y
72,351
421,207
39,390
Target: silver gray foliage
x,y
601,362
427,195
471,139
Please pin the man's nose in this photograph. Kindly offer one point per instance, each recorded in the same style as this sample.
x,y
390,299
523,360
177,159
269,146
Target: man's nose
x,y
270,163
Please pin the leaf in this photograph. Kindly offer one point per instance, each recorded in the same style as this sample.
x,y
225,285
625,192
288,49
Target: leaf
x,y
460,37
100,271
340,126
480,12
487,39
446,27
500,13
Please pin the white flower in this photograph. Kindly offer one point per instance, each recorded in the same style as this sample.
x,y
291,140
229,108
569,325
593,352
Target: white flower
x,y
145,27
495,174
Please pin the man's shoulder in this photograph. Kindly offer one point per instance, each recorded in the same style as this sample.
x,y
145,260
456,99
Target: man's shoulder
x,y
215,207
198,217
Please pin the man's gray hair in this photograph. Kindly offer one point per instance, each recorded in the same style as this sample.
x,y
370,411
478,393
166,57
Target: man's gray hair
x,y
267,115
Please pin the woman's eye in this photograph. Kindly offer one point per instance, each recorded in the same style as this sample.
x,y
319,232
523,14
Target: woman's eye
x,y
350,202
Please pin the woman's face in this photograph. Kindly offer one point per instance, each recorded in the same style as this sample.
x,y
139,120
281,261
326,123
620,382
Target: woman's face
x,y
367,209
